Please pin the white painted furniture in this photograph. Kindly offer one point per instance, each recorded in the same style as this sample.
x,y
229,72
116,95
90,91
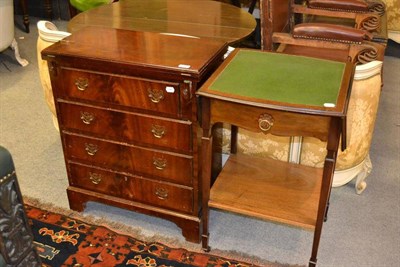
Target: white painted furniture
x,y
7,30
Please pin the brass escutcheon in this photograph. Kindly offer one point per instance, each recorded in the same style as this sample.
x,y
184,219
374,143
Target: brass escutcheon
x,y
159,163
81,83
91,149
265,122
155,95
161,193
158,130
87,117
95,177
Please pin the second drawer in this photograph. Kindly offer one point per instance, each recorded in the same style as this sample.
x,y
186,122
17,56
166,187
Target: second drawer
x,y
129,127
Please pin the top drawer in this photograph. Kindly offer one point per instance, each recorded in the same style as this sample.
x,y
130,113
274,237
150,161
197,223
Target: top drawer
x,y
152,95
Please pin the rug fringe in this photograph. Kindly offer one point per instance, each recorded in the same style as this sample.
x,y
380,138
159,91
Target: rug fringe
x,y
124,229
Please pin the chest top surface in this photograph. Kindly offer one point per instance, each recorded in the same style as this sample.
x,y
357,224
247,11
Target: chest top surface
x,y
174,53
281,81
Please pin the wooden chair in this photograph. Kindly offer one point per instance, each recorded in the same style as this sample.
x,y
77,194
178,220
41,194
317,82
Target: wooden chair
x,y
279,16
359,14
47,7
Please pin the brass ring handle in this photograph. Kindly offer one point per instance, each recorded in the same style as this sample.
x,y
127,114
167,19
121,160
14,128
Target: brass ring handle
x,y
91,149
155,95
265,122
81,83
159,163
95,177
161,193
87,117
158,130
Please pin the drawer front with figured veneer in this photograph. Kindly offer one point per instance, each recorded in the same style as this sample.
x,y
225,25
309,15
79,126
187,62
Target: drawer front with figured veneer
x,y
95,179
157,164
128,127
152,95
165,195
160,194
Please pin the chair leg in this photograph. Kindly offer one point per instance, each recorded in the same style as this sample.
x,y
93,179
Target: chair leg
x,y
49,9
25,14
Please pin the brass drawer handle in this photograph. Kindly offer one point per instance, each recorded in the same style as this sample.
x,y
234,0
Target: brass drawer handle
x,y
265,122
95,177
81,83
87,117
91,149
157,130
161,193
159,163
155,95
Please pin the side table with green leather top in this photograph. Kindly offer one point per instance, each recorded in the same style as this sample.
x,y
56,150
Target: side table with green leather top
x,y
282,95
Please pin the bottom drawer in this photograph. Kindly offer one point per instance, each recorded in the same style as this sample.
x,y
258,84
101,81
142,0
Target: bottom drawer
x,y
160,194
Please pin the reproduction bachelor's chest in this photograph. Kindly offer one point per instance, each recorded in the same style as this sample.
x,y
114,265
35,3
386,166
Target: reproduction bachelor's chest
x,y
127,114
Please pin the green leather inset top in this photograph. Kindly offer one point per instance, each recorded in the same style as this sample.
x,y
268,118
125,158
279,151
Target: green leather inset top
x,y
280,77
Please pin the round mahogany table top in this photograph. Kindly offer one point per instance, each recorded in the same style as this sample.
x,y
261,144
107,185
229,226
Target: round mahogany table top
x,y
199,18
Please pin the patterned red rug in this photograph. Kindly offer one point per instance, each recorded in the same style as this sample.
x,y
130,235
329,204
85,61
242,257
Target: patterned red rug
x,y
66,241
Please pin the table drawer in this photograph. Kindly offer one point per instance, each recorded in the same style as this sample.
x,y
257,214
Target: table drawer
x,y
156,164
129,127
146,191
153,95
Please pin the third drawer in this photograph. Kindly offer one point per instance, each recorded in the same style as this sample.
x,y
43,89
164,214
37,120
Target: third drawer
x,y
157,164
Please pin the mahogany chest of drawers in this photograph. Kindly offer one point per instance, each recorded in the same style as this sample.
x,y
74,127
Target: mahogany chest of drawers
x,y
127,114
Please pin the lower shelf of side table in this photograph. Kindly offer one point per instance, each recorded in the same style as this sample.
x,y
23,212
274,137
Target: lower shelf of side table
x,y
268,189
